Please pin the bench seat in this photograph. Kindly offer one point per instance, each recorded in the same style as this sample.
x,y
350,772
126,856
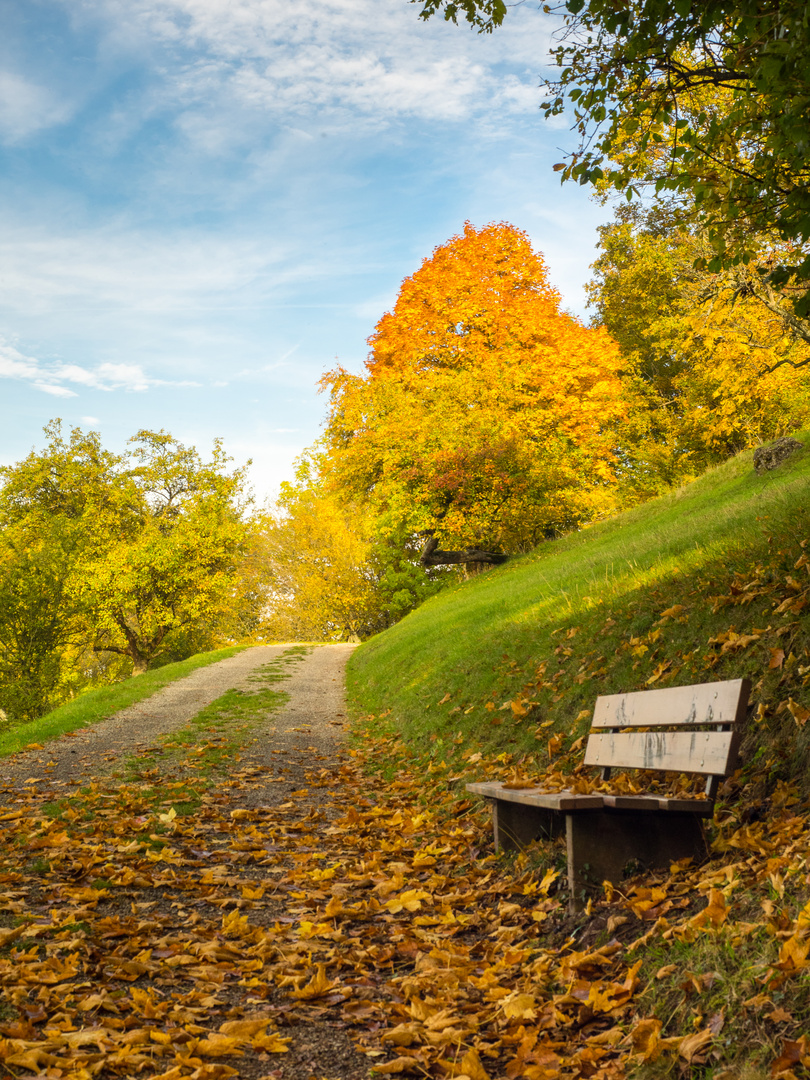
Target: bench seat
x,y
535,796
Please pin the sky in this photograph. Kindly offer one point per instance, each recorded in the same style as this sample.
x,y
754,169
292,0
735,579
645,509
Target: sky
x,y
207,204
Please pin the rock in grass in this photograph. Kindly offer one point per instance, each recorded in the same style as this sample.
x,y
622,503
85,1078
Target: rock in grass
x,y
770,456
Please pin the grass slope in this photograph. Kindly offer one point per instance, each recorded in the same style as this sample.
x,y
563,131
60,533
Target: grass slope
x,y
497,678
98,704
698,585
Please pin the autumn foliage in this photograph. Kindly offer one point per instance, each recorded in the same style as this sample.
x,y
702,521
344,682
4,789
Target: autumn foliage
x,y
108,561
208,943
484,413
709,368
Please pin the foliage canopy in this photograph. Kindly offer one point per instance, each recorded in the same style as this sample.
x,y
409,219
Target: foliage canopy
x,y
707,101
484,412
106,556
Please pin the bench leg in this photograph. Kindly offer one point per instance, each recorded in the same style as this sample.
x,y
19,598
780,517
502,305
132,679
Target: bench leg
x,y
516,826
601,843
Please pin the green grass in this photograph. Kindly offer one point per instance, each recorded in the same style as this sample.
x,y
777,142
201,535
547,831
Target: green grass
x,y
103,702
584,616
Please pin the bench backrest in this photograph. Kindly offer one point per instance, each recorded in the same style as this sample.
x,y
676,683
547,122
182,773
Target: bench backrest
x,y
694,729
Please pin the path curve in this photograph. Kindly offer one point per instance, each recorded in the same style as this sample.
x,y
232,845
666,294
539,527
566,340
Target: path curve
x,y
313,717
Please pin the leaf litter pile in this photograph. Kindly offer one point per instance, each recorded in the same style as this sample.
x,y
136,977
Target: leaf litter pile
x,y
364,927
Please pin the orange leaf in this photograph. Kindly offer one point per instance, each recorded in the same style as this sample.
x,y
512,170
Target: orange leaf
x,y
645,1037
798,712
792,1053
692,1045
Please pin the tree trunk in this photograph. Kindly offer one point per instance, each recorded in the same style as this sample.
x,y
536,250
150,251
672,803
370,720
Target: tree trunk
x,y
432,556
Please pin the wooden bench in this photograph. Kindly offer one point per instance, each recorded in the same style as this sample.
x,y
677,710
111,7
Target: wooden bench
x,y
682,729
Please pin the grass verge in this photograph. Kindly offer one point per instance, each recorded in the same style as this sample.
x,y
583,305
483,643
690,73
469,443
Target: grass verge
x,y
708,582
101,703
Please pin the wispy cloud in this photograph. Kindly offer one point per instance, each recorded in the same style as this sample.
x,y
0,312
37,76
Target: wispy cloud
x,y
59,379
27,107
335,62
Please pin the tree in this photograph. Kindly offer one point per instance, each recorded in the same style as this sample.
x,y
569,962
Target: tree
x,y
53,508
483,419
712,369
174,563
483,14
105,555
329,578
705,100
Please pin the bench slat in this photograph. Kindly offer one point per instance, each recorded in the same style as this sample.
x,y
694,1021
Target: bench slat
x,y
549,800
707,753
704,703
702,807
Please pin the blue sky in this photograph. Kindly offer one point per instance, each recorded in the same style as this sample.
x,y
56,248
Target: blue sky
x,y
205,204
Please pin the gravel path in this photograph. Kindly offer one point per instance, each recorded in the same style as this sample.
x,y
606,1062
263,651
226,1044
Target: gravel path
x,y
313,718
303,735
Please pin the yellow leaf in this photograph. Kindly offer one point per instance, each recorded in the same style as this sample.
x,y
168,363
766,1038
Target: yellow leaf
x,y
672,612
410,900
715,911
11,935
645,1037
243,1029
519,1007
798,712
401,1065
666,971
692,1045
235,925
793,954
401,1035
549,878
272,1043
470,1065
317,986
216,1045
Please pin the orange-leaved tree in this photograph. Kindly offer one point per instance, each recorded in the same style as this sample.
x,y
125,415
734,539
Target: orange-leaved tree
x,y
483,421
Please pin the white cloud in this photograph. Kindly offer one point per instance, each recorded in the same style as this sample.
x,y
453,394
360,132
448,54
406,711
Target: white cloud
x,y
55,378
114,267
13,365
329,62
53,388
26,108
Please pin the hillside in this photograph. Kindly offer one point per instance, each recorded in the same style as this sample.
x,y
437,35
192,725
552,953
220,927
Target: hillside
x,y
708,582
497,679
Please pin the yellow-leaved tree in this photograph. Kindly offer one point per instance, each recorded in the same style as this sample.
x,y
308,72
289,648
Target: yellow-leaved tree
x,y
483,420
710,367
172,564
328,576
107,560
